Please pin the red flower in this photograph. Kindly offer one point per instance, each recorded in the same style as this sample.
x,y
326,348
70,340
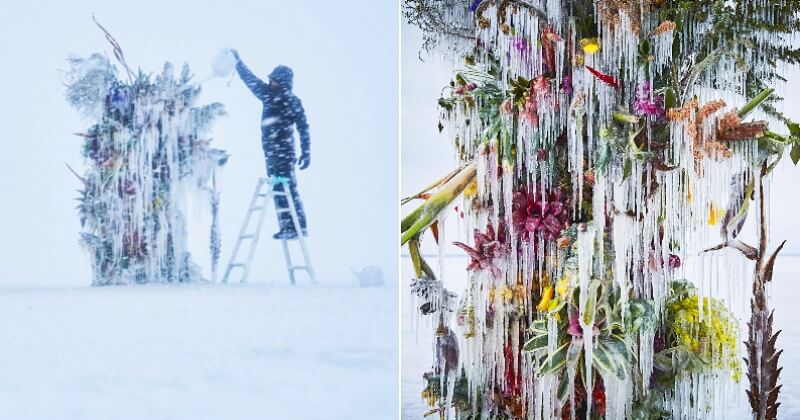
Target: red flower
x,y
605,78
549,39
533,215
599,398
488,248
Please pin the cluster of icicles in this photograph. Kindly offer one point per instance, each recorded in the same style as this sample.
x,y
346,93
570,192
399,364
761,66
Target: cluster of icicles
x,y
674,214
147,150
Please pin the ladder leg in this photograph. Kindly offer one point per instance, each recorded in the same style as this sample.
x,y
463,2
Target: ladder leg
x,y
300,239
288,259
251,252
243,230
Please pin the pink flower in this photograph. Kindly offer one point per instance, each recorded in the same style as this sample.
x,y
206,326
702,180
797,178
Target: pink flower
x,y
643,105
673,261
470,86
459,90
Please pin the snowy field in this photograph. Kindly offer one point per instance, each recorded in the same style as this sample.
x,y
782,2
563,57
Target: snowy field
x,y
417,353
207,351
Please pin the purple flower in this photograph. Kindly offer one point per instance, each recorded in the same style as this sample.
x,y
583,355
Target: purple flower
x,y
576,330
566,85
474,5
520,44
644,105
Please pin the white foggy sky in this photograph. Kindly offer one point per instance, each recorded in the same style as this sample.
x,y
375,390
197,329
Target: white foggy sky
x,y
344,56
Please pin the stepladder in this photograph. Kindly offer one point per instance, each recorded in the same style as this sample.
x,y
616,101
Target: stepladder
x,y
263,196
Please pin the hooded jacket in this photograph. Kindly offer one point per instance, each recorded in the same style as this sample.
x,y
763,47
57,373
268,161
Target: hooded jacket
x,y
282,111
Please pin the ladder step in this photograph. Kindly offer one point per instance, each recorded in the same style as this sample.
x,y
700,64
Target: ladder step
x,y
247,237
283,210
279,193
256,208
231,265
299,267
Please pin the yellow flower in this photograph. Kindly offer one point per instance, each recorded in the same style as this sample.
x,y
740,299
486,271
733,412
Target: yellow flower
x,y
540,279
562,288
547,296
590,45
519,292
507,293
471,190
715,214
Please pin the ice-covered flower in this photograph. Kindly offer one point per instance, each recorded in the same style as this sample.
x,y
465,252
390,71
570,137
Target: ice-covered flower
x,y
547,299
542,215
589,45
520,44
488,248
566,84
538,95
576,330
647,105
507,106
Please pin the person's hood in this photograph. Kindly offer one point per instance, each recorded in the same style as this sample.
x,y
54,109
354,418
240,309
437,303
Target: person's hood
x,y
283,75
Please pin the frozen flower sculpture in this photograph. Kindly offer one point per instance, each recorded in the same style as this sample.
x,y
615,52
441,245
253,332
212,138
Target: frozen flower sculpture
x,y
147,147
623,144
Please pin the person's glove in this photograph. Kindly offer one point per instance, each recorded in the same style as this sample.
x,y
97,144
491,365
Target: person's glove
x,y
235,54
304,161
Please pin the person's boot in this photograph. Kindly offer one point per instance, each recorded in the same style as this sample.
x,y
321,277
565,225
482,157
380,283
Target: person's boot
x,y
285,234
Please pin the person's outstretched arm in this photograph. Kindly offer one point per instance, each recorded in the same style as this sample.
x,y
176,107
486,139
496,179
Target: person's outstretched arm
x,y
305,138
256,85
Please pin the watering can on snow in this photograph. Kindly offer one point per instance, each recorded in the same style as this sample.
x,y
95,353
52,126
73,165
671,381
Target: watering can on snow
x,y
369,276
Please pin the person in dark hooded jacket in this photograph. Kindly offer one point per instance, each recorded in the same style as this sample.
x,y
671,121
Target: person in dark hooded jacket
x,y
282,112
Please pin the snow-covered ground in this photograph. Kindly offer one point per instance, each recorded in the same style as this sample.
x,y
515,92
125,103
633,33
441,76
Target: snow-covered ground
x,y
206,351
416,355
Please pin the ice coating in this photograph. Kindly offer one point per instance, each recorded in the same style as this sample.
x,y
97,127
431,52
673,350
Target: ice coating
x,y
634,308
147,148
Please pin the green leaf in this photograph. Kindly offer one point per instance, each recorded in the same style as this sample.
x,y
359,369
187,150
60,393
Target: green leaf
x,y
627,167
555,361
641,314
538,327
624,118
778,157
755,102
591,302
794,128
795,153
536,344
611,356
669,98
422,217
